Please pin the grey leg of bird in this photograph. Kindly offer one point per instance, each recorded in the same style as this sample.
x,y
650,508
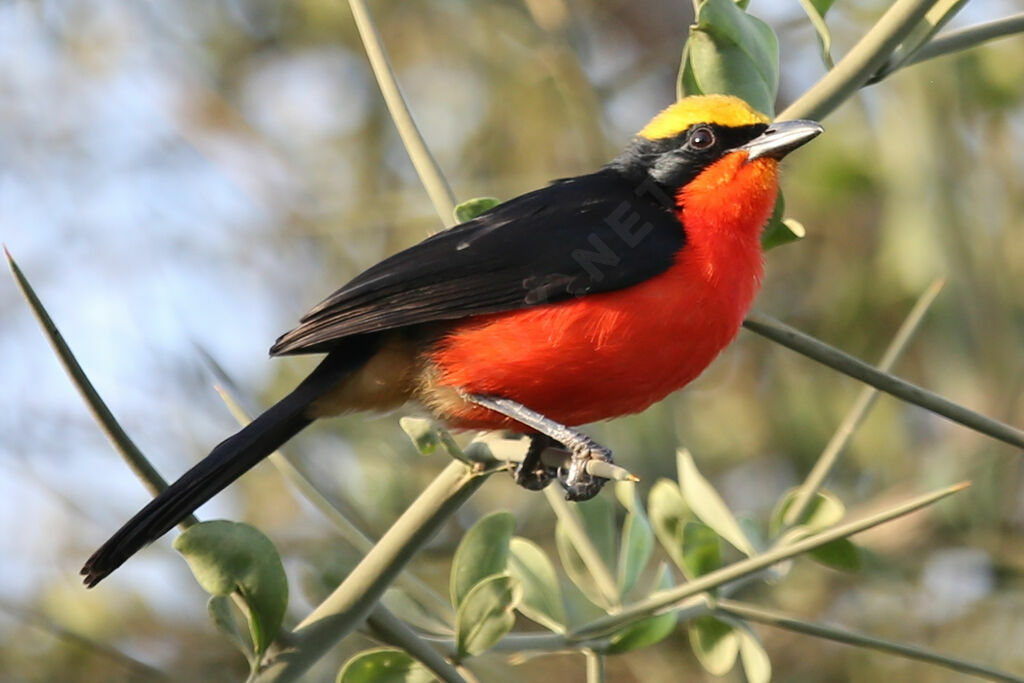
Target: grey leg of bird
x,y
578,483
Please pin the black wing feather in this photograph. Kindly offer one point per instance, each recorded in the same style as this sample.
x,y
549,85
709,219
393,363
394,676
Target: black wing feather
x,y
595,233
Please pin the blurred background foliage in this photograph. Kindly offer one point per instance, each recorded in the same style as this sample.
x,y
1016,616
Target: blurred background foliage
x,y
183,179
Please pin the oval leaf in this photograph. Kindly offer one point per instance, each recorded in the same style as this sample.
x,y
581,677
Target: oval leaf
x,y
542,596
756,664
486,614
483,552
648,631
824,510
635,549
668,514
422,432
414,614
576,568
221,612
731,52
840,554
708,505
780,230
471,208
229,556
715,643
702,550
598,517
383,666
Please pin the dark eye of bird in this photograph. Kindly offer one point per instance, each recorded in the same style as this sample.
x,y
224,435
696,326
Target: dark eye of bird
x,y
701,138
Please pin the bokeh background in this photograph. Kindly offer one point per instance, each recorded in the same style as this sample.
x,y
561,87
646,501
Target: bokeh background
x,y
181,180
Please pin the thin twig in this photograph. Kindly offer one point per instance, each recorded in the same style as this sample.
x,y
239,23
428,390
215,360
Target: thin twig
x,y
781,620
860,63
433,180
353,600
394,631
843,362
415,587
584,546
941,12
666,600
595,666
827,460
43,623
116,434
960,40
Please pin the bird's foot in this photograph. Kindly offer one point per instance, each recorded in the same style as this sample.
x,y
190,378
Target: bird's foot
x,y
579,484
532,473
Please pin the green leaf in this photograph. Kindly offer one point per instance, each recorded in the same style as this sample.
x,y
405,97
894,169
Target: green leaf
x,y
427,436
731,52
422,432
383,666
598,517
702,549
635,549
542,596
668,514
841,554
650,630
815,11
222,613
575,568
413,613
483,552
487,614
779,230
756,664
824,510
708,505
230,556
471,208
715,643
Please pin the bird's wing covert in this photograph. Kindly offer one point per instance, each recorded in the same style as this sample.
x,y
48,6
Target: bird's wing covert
x,y
575,237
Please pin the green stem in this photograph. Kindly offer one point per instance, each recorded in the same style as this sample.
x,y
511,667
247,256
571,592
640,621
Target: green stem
x,y
138,462
667,600
353,600
394,631
784,621
133,668
423,161
595,666
868,395
968,37
412,585
860,63
584,546
520,643
840,361
941,12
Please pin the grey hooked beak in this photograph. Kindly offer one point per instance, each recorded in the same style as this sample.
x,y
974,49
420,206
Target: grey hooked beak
x,y
781,138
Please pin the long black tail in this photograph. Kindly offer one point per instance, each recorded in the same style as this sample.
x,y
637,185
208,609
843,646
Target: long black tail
x,y
232,458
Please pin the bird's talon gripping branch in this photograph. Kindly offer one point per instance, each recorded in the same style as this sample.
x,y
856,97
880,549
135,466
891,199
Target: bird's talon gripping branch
x,y
532,473
579,484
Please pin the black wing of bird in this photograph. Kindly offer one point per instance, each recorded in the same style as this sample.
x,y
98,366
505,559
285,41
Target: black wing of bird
x,y
594,233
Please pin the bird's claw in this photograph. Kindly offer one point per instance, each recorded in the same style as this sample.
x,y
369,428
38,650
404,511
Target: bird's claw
x,y
535,478
579,484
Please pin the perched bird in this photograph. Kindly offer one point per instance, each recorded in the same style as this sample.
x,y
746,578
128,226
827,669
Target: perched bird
x,y
590,298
